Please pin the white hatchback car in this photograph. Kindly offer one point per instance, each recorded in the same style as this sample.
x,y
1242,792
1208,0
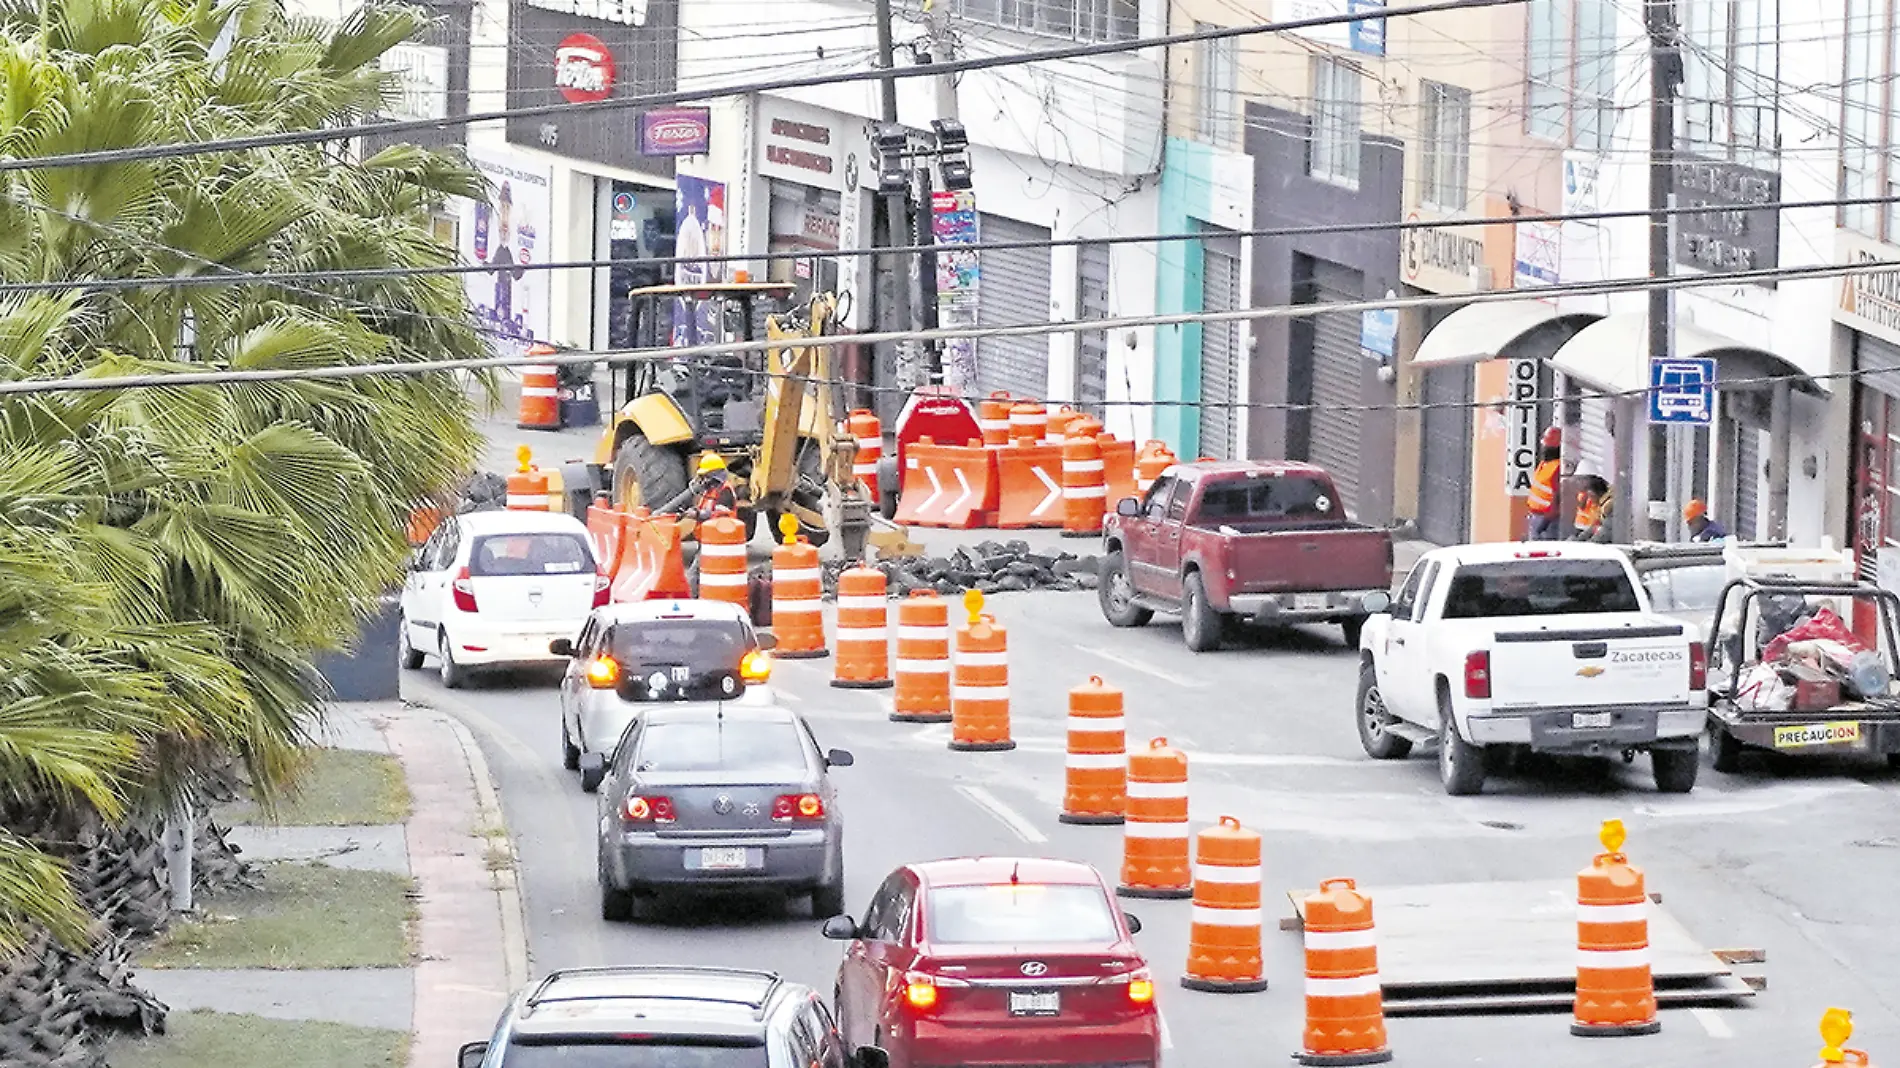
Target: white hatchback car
x,y
492,589
638,654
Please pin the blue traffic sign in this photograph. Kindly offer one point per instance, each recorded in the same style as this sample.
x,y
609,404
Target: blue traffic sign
x,y
1682,391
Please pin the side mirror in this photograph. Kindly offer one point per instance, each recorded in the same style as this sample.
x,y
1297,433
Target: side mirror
x,y
841,929
1134,923
593,770
768,642
870,1057
1376,601
1128,506
839,758
471,1055
561,647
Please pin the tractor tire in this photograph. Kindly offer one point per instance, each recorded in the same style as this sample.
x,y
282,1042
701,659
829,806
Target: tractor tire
x,y
647,475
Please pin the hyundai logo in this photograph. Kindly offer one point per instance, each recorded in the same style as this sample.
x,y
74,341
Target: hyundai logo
x,y
1034,968
722,805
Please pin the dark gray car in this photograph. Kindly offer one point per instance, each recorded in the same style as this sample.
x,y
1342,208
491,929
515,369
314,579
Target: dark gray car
x,y
739,799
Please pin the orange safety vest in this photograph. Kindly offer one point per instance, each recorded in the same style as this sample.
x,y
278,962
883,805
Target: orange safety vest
x,y
1589,512
1543,496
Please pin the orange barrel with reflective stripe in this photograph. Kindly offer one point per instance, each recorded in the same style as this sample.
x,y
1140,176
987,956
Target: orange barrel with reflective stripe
x,y
863,425
1345,1012
979,688
1027,423
1616,994
540,398
1154,458
1095,772
992,418
798,610
1155,830
1224,940
863,639
1061,423
923,659
528,491
722,561
1084,493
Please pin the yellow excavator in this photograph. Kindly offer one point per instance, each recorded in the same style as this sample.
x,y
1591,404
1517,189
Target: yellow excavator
x,y
773,416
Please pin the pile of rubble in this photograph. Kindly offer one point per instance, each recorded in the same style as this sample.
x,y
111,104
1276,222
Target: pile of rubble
x,y
991,567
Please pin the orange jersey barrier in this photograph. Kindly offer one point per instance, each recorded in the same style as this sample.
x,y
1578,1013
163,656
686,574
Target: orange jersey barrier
x,y
1029,486
946,485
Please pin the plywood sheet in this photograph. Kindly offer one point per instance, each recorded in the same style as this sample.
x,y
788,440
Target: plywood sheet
x,y
1449,936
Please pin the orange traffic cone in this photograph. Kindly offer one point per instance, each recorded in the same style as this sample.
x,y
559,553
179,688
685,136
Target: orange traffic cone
x,y
979,683
864,650
1096,769
798,611
1345,1011
923,659
1155,833
1616,995
1224,941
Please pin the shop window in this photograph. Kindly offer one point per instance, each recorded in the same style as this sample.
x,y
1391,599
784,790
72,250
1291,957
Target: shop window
x,y
1336,121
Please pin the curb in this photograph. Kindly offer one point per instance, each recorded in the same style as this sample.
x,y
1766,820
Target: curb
x,y
514,926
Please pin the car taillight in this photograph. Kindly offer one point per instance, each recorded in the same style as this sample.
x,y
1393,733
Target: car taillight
x,y
756,666
1141,985
1478,674
1698,666
603,590
789,807
464,588
920,992
603,673
641,809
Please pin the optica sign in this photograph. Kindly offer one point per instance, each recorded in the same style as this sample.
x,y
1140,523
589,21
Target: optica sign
x,y
583,69
676,132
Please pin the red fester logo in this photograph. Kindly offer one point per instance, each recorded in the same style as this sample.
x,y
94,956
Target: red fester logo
x,y
583,69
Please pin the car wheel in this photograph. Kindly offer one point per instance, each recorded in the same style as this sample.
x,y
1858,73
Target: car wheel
x,y
1117,594
570,753
1200,624
1350,629
827,899
1726,750
616,906
407,654
1460,764
1674,769
453,674
1375,735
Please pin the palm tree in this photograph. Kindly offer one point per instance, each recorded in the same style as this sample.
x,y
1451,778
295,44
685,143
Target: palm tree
x,y
171,559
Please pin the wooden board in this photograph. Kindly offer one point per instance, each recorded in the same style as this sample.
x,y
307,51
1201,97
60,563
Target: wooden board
x,y
1453,936
1721,990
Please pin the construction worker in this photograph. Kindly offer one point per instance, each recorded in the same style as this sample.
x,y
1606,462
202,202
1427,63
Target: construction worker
x,y
1543,495
1701,527
1594,501
710,493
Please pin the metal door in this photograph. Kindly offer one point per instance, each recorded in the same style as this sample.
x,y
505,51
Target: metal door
x,y
1444,475
1747,481
1337,429
1221,357
1012,288
1596,449
1091,348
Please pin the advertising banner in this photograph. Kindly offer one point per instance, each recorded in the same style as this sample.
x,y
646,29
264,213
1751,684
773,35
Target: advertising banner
x,y
676,132
506,231
700,221
953,223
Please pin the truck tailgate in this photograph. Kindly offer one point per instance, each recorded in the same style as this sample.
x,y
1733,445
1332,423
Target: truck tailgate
x,y
1291,561
1581,663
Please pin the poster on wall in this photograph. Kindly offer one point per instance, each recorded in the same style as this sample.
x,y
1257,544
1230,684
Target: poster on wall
x,y
508,231
953,223
699,213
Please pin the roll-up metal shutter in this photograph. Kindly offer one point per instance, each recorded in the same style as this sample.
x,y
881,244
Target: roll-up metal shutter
x,y
1221,361
1091,348
1337,437
1747,481
1873,354
1596,449
1444,497
1012,288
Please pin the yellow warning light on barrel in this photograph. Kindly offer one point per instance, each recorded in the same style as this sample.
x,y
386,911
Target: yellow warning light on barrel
x,y
973,604
524,459
1613,835
788,526
1837,1026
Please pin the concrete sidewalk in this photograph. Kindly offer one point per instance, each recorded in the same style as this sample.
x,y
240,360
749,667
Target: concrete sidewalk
x,y
471,946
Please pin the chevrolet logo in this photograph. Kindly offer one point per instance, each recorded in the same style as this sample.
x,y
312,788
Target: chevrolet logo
x,y
1590,672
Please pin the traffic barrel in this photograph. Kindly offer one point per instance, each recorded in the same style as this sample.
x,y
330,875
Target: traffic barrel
x,y
979,683
1837,1026
722,561
864,641
540,407
923,659
992,418
1345,1013
1155,832
1060,421
1224,940
528,484
1154,458
798,611
863,425
1084,494
1028,421
1616,995
1095,771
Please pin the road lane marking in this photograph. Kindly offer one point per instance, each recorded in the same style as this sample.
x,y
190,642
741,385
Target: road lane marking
x,y
988,802
1132,664
787,696
1713,1023
1167,1037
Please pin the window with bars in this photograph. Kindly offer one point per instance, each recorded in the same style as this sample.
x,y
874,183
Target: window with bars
x,y
1445,163
1730,66
1217,103
1570,70
1334,152
1074,20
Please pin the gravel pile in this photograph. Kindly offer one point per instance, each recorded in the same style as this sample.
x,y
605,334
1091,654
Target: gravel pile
x,y
991,566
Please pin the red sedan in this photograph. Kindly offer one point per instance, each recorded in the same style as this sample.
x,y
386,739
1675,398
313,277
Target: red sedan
x,y
997,961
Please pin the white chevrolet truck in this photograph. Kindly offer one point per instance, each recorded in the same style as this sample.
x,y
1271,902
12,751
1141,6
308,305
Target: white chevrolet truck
x,y
1540,647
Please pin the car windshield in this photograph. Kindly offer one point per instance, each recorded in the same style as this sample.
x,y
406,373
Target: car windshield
x,y
1686,589
1271,499
720,745
529,554
1019,913
622,1053
701,644
1548,587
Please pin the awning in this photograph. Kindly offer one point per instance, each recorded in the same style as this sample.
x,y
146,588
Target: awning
x,y
1484,331
1612,355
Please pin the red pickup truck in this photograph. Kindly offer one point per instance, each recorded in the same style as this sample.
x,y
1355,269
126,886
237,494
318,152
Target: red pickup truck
x,y
1222,542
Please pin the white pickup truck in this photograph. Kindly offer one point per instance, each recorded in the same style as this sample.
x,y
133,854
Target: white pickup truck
x,y
1540,647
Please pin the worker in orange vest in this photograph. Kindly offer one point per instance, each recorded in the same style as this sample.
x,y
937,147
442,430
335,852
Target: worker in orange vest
x,y
1543,495
1594,501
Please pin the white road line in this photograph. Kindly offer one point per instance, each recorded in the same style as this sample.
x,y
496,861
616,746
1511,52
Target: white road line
x,y
787,696
1167,1038
1132,664
1713,1023
1019,826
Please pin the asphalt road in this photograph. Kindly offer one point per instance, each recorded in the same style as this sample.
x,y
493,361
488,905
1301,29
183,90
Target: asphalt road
x,y
1800,861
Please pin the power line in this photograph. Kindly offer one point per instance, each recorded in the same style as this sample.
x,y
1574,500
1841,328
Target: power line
x,y
1079,51
1071,326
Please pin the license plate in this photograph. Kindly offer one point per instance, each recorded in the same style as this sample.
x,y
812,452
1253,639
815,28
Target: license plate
x,y
1035,1002
1308,602
1807,734
722,859
1587,720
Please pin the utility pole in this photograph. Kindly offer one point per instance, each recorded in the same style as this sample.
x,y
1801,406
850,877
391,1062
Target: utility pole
x,y
1665,75
897,228
941,51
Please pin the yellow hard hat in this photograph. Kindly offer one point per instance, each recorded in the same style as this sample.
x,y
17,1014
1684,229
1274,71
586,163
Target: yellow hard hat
x,y
711,462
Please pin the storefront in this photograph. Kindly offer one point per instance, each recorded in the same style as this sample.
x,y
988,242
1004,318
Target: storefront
x,y
1870,310
1014,288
